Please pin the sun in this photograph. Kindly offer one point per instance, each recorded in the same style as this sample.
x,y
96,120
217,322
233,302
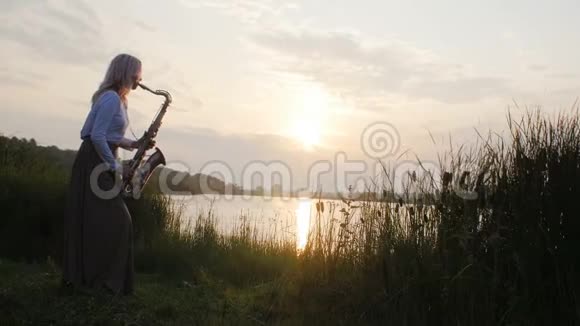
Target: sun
x,y
307,132
307,118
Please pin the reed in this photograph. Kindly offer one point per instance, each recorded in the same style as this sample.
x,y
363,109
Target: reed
x,y
496,244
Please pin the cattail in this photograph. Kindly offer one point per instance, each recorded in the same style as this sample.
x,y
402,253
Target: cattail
x,y
447,178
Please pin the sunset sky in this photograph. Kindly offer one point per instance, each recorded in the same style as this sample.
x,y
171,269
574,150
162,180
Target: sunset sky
x,y
290,81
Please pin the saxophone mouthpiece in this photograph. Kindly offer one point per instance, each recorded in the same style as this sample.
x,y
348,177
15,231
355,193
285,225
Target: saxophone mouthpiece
x,y
145,87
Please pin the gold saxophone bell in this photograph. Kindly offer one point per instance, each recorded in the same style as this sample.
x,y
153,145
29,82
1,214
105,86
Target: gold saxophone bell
x,y
144,171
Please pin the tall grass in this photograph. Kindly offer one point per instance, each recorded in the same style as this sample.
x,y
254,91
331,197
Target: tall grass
x,y
32,190
492,241
498,245
178,248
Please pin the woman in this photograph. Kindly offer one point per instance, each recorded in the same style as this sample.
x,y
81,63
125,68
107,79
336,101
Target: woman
x,y
98,248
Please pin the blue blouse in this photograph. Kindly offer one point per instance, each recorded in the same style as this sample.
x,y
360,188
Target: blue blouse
x,y
106,122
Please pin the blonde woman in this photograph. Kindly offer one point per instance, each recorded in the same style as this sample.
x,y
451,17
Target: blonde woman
x,y
98,247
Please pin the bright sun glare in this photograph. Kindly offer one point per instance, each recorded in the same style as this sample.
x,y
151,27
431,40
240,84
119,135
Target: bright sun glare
x,y
308,133
307,126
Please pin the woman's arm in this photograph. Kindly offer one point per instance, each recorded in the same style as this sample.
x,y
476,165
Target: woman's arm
x,y
108,106
128,144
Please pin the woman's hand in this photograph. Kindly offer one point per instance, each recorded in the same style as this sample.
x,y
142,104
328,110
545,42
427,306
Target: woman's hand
x,y
141,140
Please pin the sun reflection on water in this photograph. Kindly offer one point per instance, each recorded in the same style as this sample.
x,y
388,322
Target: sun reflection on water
x,y
302,223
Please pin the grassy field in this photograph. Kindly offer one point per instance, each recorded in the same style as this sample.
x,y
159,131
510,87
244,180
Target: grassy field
x,y
30,295
497,245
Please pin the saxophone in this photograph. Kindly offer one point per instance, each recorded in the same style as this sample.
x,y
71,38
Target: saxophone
x,y
139,169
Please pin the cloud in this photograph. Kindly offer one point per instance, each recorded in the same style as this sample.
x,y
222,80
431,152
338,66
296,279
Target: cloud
x,y
537,67
194,148
196,104
461,90
374,73
563,75
12,77
21,122
85,10
184,106
246,11
14,80
144,26
201,150
61,32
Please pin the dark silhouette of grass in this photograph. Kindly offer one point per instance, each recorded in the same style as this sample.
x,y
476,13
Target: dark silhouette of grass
x,y
492,242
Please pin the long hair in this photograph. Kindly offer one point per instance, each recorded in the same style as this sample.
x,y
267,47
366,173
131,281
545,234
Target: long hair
x,y
120,76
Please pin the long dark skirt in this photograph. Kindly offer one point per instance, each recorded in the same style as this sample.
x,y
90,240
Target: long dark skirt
x,y
98,242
